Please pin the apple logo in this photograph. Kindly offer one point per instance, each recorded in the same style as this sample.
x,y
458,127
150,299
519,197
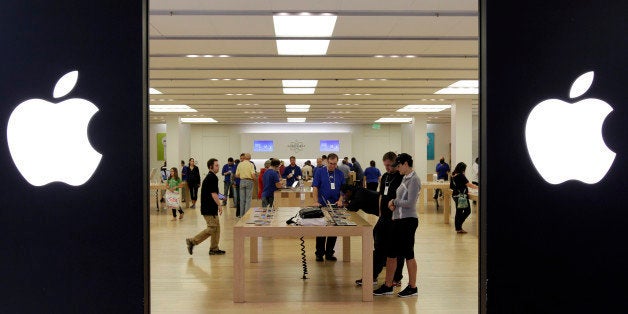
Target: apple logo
x,y
48,141
564,139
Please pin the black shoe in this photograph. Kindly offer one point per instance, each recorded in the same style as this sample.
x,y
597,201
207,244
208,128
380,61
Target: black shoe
x,y
330,258
383,290
359,282
190,245
408,292
216,252
319,258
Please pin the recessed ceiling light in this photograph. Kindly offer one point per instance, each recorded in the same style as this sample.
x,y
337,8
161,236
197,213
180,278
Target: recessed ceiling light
x,y
394,56
192,56
393,120
297,108
153,91
462,87
171,108
423,108
198,120
378,56
296,120
299,90
410,56
299,83
223,56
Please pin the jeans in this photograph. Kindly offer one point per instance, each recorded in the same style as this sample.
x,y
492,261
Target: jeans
x,y
268,201
325,246
246,189
226,191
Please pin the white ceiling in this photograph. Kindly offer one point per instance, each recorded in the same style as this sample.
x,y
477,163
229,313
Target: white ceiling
x,y
441,34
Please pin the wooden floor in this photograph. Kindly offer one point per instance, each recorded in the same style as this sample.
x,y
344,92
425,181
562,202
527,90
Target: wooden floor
x,y
202,283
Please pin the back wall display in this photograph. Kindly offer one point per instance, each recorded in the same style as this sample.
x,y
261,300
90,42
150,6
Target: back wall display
x,y
430,146
161,146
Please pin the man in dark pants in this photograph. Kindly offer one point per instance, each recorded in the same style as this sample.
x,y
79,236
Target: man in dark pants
x,y
389,183
326,190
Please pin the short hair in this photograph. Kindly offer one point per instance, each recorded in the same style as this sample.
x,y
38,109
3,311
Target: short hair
x,y
389,156
230,159
182,162
242,155
353,159
292,157
372,163
210,162
267,163
332,156
275,163
324,157
191,158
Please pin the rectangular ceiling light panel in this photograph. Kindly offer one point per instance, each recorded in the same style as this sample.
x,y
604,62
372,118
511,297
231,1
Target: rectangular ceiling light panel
x,y
296,120
297,108
303,25
198,120
462,87
424,108
302,47
299,90
153,91
171,108
393,120
299,83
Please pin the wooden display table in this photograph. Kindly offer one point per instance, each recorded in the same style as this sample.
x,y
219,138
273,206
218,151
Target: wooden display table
x,y
427,190
294,197
277,228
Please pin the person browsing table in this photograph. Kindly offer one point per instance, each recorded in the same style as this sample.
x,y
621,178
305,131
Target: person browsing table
x,y
326,190
292,172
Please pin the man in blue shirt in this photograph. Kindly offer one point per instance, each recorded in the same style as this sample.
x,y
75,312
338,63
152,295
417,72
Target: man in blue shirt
x,y
292,172
442,173
326,190
227,171
272,182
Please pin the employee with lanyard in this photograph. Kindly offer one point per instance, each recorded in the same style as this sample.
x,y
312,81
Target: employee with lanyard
x,y
326,190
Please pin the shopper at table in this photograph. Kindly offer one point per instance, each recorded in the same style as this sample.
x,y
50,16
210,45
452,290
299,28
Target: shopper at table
x,y
246,173
292,172
260,179
211,207
383,231
307,170
359,172
272,182
326,190
460,186
194,181
442,173
405,221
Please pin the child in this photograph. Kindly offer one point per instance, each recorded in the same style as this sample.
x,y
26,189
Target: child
x,y
174,183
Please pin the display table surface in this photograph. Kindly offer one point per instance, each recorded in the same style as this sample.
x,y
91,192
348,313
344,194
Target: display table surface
x,y
276,227
427,191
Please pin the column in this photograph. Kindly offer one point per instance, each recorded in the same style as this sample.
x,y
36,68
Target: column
x,y
419,153
461,133
173,158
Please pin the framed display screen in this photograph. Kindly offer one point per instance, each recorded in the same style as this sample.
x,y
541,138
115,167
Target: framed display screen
x,y
263,146
330,146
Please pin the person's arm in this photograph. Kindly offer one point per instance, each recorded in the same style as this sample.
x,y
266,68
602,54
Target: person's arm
x,y
315,196
472,186
413,194
237,174
217,201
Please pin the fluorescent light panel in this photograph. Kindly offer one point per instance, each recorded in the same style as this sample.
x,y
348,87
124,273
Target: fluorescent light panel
x,y
198,120
302,47
153,91
393,120
303,26
424,108
299,83
462,87
171,108
297,108
299,90
295,120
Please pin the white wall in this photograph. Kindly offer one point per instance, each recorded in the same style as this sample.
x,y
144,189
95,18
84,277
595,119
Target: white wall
x,y
361,141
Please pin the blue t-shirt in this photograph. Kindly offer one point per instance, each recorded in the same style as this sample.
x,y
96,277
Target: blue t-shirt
x,y
287,171
269,179
226,168
184,173
323,180
372,174
442,170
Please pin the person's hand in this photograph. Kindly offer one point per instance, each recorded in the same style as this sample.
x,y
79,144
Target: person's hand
x,y
339,203
317,204
219,209
391,205
290,175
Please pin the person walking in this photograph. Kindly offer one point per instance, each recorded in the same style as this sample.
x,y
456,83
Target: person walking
x,y
460,184
405,222
174,187
326,190
194,181
211,207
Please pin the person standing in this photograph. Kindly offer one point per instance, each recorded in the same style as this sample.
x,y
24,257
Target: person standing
x,y
211,207
272,182
475,178
246,173
319,165
383,232
359,173
442,173
236,189
184,171
174,186
345,169
405,222
307,170
194,181
372,176
227,171
326,190
292,172
260,182
460,184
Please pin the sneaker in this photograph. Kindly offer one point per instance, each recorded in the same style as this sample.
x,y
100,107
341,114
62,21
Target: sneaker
x,y
216,252
190,245
181,216
359,282
383,290
319,258
330,258
408,292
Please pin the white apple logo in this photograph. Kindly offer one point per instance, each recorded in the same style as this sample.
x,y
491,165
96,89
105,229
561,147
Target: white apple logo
x,y
48,142
565,140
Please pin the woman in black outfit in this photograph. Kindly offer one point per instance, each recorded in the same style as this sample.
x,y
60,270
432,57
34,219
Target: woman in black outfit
x,y
460,184
194,181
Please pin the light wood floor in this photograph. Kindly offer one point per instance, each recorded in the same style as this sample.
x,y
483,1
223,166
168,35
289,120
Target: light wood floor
x,y
202,283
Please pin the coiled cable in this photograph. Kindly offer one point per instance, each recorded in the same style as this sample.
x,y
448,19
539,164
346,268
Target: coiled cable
x,y
303,260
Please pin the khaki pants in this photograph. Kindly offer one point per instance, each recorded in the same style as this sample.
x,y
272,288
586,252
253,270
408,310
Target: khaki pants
x,y
212,230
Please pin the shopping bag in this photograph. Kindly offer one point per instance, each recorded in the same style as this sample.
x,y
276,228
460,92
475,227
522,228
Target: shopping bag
x,y
172,199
